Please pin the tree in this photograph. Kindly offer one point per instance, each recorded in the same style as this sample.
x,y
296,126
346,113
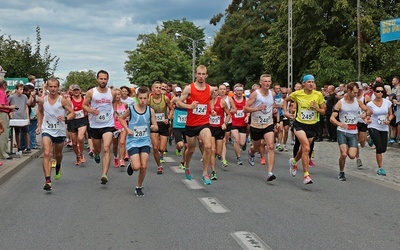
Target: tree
x,y
20,60
85,79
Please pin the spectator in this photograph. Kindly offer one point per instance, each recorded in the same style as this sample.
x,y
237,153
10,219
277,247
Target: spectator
x,y
330,100
4,111
21,101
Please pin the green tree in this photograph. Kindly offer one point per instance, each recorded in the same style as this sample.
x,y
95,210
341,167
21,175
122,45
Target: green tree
x,y
85,79
19,59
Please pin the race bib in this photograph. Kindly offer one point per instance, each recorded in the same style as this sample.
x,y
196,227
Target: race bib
x,y
215,120
307,115
350,119
201,109
382,119
160,117
140,131
52,124
239,114
79,114
103,117
181,118
264,119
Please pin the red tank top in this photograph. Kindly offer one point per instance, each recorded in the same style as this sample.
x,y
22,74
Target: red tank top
x,y
77,106
216,121
238,118
200,115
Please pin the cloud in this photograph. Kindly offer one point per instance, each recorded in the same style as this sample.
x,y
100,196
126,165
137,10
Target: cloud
x,y
95,34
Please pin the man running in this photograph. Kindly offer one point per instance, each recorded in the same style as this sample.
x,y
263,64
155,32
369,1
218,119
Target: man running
x,y
197,96
141,121
98,104
178,124
310,104
347,110
239,121
52,124
261,106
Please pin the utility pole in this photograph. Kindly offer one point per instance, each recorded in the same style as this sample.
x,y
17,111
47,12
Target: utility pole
x,y
290,48
359,40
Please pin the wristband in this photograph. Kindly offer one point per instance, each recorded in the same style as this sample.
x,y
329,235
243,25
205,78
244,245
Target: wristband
x,y
65,119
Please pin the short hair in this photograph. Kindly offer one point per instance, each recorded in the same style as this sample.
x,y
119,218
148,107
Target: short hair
x,y
54,79
2,83
201,67
19,85
125,87
102,71
351,85
143,90
31,78
397,77
265,75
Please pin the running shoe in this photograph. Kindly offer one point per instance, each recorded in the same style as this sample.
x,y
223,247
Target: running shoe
x,y
285,148
53,163
292,143
214,175
78,160
271,177
162,159
359,163
239,161
57,176
307,180
251,159
188,174
182,165
126,158
341,176
292,167
170,140
83,159
224,163
47,186
91,154
370,142
104,179
178,152
166,151
122,163
116,162
129,169
139,192
159,170
244,147
391,141
206,179
279,147
97,158
248,140
219,157
263,161
381,171
311,163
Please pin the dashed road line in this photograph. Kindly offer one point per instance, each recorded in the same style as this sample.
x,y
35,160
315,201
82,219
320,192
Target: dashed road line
x,y
193,184
177,170
249,240
213,205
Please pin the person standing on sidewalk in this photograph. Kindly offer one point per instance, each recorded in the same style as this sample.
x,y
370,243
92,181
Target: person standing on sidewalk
x,y
378,123
52,121
98,104
5,109
261,106
310,103
142,120
347,110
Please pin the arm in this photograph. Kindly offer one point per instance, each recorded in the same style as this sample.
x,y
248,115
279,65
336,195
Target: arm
x,y
66,103
122,120
170,107
227,112
39,115
153,125
86,103
248,109
233,106
335,114
185,94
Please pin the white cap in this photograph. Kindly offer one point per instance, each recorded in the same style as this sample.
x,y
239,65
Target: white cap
x,y
226,84
178,89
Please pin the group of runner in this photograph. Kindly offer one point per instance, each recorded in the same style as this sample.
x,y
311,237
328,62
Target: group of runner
x,y
203,113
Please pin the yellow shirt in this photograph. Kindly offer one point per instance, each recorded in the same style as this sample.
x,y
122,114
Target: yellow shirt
x,y
305,114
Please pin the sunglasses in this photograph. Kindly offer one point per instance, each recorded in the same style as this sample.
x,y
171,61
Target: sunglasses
x,y
379,91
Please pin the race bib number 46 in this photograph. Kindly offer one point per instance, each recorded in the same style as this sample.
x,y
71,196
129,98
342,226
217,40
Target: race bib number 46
x,y
201,109
103,117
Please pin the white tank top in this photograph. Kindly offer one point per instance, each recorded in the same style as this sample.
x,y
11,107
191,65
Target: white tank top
x,y
263,118
348,114
103,103
51,125
359,119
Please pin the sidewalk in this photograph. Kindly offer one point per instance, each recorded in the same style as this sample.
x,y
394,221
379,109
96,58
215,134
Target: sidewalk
x,y
327,155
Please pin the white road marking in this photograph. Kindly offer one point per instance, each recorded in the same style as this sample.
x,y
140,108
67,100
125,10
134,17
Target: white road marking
x,y
177,170
192,184
214,205
169,159
249,240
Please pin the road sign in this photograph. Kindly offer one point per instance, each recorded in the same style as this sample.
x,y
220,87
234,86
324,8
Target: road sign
x,y
390,30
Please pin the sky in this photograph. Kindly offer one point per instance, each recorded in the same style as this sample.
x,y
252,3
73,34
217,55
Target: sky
x,y
94,34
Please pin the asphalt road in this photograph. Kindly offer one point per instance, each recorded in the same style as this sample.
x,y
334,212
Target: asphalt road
x,y
238,211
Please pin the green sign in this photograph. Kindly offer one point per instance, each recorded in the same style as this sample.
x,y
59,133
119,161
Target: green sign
x,y
11,82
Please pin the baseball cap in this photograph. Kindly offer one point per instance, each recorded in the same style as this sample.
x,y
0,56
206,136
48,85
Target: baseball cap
x,y
75,86
226,84
308,78
178,89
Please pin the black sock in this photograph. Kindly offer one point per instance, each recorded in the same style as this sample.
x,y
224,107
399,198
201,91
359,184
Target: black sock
x,y
58,166
47,179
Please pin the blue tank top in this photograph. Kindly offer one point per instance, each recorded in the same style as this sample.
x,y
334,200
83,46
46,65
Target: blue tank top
x,y
140,125
180,115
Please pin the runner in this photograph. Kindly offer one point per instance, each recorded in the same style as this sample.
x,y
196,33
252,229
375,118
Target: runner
x,y
219,118
378,123
198,95
278,100
222,89
77,127
361,126
347,110
52,124
141,121
98,104
239,122
285,121
261,105
163,111
310,103
178,124
119,136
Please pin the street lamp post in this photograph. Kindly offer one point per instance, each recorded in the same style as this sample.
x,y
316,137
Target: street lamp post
x,y
194,46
